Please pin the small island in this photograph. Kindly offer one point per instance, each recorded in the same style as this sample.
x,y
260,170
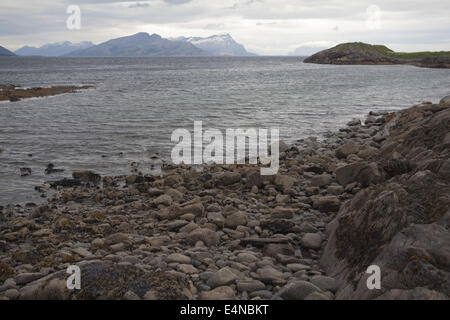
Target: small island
x,y
11,92
359,53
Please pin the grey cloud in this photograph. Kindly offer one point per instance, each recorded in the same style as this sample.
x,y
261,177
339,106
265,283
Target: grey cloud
x,y
215,26
177,1
138,5
257,23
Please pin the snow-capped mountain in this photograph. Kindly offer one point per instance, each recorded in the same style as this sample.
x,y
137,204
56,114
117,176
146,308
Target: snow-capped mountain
x,y
218,45
140,44
53,49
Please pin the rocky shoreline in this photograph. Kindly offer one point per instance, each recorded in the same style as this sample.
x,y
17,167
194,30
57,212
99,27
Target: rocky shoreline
x,y
13,93
372,193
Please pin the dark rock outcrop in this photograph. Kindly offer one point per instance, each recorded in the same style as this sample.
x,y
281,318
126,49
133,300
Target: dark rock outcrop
x,y
401,224
365,54
101,281
351,53
14,93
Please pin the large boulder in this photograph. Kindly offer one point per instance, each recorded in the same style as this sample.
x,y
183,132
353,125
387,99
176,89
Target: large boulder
x,y
445,99
223,277
297,290
347,149
87,176
311,240
236,219
228,178
284,182
207,236
321,180
361,172
326,204
219,293
107,281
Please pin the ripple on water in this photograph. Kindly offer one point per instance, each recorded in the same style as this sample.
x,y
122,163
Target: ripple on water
x,y
138,102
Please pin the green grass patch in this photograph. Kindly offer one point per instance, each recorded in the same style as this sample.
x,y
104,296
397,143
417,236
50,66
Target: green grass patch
x,y
385,50
418,55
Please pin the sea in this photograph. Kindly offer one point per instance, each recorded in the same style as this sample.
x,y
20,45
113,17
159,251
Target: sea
x,y
127,119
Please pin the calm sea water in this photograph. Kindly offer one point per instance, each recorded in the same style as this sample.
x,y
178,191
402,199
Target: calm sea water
x,y
138,102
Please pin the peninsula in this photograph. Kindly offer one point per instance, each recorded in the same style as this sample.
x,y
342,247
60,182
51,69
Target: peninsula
x,y
359,53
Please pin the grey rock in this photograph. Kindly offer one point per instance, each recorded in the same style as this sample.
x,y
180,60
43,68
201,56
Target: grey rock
x,y
311,241
207,236
335,190
229,178
283,213
284,182
219,293
217,218
316,296
24,278
263,294
326,203
164,199
267,274
354,122
364,173
249,285
12,294
222,277
178,257
297,290
236,219
321,180
445,99
246,257
346,150
187,268
325,283
130,295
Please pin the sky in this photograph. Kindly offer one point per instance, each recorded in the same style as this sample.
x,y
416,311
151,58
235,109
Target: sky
x,y
265,27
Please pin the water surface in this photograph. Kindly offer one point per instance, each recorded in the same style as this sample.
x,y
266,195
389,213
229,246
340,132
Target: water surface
x,y
138,102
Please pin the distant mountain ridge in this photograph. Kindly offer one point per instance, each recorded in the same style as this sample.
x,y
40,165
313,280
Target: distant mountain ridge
x,y
5,52
140,45
218,45
53,49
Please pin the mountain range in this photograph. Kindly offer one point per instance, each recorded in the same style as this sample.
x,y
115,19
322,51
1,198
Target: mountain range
x,y
218,45
142,44
5,52
53,49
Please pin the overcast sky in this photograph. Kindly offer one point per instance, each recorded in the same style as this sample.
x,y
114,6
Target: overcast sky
x,y
268,27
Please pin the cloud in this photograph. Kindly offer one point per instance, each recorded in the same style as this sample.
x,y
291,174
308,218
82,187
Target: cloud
x,y
215,26
263,26
138,5
177,1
